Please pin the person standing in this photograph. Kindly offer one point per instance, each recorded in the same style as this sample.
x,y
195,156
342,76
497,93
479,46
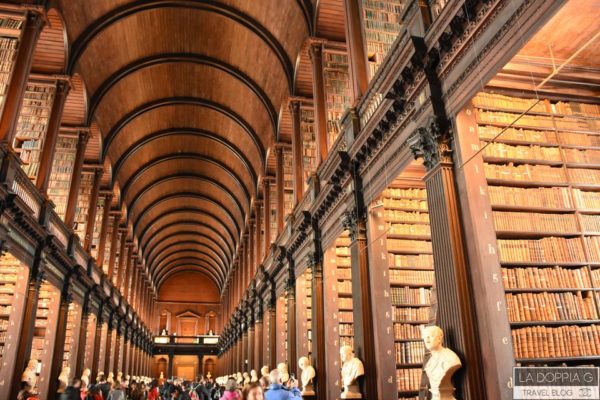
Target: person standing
x,y
278,392
73,391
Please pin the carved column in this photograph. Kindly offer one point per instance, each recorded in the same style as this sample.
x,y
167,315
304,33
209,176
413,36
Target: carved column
x,y
356,49
456,312
364,332
267,214
170,365
36,277
297,164
104,229
279,184
272,325
291,316
60,337
315,52
315,262
49,146
32,27
115,366
76,178
251,339
108,347
91,218
251,265
258,335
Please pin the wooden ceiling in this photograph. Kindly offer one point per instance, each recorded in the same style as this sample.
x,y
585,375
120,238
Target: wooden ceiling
x,y
562,57
184,99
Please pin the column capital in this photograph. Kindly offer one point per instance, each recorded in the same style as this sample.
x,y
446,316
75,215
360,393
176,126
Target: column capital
x,y
433,143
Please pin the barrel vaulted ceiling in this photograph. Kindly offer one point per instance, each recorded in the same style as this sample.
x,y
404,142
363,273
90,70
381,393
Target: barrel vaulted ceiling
x,y
186,95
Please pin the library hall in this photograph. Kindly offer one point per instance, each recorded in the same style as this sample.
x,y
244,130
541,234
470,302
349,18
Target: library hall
x,y
299,199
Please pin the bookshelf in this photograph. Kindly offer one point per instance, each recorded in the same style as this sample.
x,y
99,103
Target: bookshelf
x,y
304,312
309,144
46,318
282,330
540,159
382,23
32,124
72,337
273,204
102,350
90,337
10,32
62,172
108,244
97,228
401,239
288,182
339,315
83,203
337,90
13,286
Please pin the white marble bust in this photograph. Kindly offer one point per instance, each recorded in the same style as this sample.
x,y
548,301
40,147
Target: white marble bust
x,y
29,375
85,377
442,364
239,378
283,372
110,379
352,368
63,378
246,378
253,376
264,371
307,376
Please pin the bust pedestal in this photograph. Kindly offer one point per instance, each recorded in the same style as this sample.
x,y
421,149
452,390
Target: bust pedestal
x,y
351,391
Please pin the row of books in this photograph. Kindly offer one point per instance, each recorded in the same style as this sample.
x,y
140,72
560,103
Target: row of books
x,y
337,89
534,222
407,295
410,313
344,273
408,245
562,341
11,23
405,216
506,118
584,176
408,331
344,287
411,277
424,261
411,193
581,156
575,108
554,197
525,173
550,249
499,101
420,205
346,317
490,132
532,152
346,329
409,352
547,278
408,379
546,306
409,229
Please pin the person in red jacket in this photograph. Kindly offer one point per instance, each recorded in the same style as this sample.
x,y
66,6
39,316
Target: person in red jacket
x,y
153,390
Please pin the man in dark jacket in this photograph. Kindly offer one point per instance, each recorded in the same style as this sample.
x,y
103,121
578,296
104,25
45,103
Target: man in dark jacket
x,y
73,391
103,386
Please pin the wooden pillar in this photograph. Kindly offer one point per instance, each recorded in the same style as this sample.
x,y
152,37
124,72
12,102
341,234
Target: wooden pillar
x,y
320,105
91,219
257,237
108,346
103,230
315,261
272,334
115,366
456,311
85,315
76,179
244,353
126,351
356,50
118,280
291,318
59,338
364,332
267,213
49,146
297,164
250,346
35,279
113,246
170,366
279,182
32,27
258,336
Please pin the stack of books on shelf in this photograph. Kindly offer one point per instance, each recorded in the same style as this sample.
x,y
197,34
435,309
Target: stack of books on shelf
x,y
62,173
344,278
97,227
542,170
273,220
309,144
83,203
10,268
337,90
288,182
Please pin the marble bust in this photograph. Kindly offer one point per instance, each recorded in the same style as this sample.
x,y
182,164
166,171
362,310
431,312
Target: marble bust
x,y
264,371
253,376
283,372
85,377
246,378
29,375
352,368
307,376
110,379
442,364
239,378
63,378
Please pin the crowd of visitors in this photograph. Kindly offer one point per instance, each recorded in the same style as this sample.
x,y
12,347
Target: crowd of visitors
x,y
271,387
